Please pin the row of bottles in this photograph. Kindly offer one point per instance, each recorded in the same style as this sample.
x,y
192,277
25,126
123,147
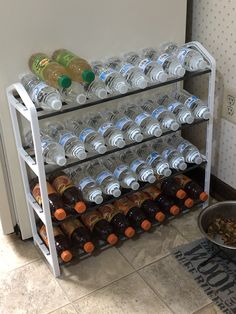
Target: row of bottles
x,y
124,216
70,78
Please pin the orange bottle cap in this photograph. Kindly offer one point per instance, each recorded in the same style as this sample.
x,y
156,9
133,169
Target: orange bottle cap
x,y
189,203
66,256
88,247
160,216
174,210
112,239
129,232
203,196
146,225
80,207
60,214
181,194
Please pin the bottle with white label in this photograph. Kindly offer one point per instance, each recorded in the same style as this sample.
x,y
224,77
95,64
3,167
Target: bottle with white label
x,y
144,172
181,112
166,118
131,131
88,186
104,178
148,125
91,139
122,172
96,89
132,74
155,160
193,103
187,149
175,159
112,135
52,152
114,81
42,95
150,68
75,94
72,145
167,61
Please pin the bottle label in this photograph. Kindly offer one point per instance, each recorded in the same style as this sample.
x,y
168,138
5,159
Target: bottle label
x,y
191,102
62,183
125,68
65,57
166,152
182,146
118,171
152,191
124,205
122,122
173,106
135,164
39,64
152,157
182,54
90,219
144,63
138,198
104,127
156,112
162,59
64,138
45,143
142,116
105,74
69,226
43,233
182,180
108,212
102,176
85,133
84,182
37,194
36,91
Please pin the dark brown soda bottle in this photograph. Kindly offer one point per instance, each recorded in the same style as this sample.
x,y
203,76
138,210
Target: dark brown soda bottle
x,y
117,219
55,200
78,234
69,192
133,213
62,245
149,207
192,188
164,203
99,226
171,188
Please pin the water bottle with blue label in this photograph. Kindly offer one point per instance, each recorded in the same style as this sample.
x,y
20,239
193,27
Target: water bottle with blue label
x,y
175,159
96,89
187,149
166,118
131,131
75,94
42,95
193,103
181,112
52,152
144,172
115,82
104,178
121,171
112,135
132,74
154,159
72,145
150,68
91,139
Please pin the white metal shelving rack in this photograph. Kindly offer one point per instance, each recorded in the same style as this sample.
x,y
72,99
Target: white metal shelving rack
x,y
26,108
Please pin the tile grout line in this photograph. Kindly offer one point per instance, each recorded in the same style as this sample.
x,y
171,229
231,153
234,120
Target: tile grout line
x,y
28,263
61,307
204,307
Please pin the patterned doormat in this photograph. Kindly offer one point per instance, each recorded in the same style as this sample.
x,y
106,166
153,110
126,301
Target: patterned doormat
x,y
214,271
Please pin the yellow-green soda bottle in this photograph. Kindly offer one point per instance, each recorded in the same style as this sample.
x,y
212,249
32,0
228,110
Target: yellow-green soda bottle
x,y
49,71
79,69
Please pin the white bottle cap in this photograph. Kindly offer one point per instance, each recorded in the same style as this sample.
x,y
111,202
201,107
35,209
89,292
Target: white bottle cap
x,y
157,132
81,154
60,160
198,160
102,93
122,87
174,126
182,166
138,137
120,143
206,115
116,192
202,64
141,82
95,195
81,99
56,104
167,172
189,119
179,71
101,149
98,199
162,77
151,178
134,185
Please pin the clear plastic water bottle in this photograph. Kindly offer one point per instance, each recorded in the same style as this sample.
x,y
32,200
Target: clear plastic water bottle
x,y
144,172
122,172
42,95
91,139
104,178
90,190
129,128
112,135
181,112
188,150
169,62
72,145
148,125
52,152
175,159
166,118
150,68
75,94
96,90
198,108
133,75
114,81
154,159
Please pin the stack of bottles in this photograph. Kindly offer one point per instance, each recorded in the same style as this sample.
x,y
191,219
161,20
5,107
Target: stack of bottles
x,y
121,218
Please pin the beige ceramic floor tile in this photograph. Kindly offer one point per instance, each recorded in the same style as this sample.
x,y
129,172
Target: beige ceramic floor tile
x,y
68,309
30,289
176,286
212,309
150,247
93,273
129,295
